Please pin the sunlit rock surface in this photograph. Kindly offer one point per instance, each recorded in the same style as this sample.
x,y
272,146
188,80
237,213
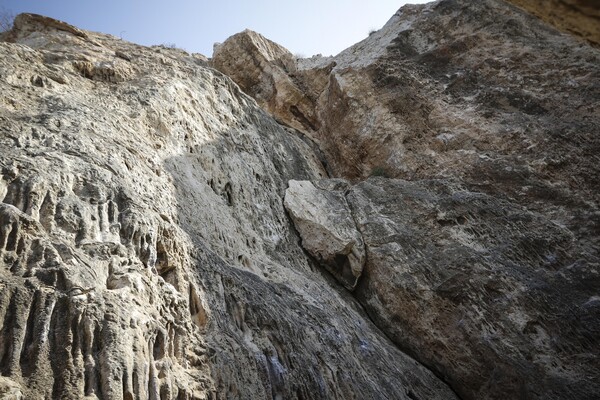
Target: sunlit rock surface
x,y
327,228
163,237
478,124
144,247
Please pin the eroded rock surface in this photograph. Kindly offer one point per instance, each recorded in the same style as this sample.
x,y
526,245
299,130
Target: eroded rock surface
x,y
479,289
480,92
146,252
491,296
578,17
482,261
144,247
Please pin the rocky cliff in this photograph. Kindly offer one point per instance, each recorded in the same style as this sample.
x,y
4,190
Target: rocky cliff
x,y
164,237
482,254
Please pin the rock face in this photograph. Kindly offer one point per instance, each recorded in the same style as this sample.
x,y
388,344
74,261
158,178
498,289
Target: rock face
x,y
578,17
479,92
163,237
144,248
479,289
482,256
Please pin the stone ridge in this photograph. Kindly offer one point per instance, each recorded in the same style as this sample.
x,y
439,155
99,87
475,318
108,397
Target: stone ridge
x,y
415,218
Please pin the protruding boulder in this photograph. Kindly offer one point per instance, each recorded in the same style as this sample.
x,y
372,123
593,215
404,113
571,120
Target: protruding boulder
x,y
327,228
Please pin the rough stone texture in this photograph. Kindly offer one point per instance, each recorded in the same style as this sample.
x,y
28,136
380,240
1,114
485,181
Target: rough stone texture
x,y
578,17
498,300
144,248
478,91
269,72
10,390
327,228
483,261
145,251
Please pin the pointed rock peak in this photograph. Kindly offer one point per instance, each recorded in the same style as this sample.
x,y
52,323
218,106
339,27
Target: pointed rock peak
x,y
251,41
27,23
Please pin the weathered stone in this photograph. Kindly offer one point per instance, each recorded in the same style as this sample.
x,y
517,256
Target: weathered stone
x,y
145,251
578,17
479,289
267,70
10,390
489,274
454,89
327,229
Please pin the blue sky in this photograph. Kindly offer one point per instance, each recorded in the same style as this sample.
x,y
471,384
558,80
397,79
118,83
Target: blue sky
x,y
304,27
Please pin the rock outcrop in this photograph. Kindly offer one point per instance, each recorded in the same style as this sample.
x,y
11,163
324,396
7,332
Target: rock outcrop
x,y
481,231
480,92
577,17
479,289
144,247
163,237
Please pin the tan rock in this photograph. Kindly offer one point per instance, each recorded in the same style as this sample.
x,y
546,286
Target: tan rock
x,y
578,17
453,89
477,288
10,390
497,110
145,251
266,69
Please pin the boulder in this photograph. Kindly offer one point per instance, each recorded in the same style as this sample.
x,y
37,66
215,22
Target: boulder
x,y
327,228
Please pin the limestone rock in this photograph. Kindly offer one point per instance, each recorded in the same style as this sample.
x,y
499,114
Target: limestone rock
x,y
479,92
483,262
268,70
10,390
327,228
479,289
145,251
578,17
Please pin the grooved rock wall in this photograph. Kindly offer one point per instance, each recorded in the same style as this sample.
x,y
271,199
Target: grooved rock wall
x,y
144,248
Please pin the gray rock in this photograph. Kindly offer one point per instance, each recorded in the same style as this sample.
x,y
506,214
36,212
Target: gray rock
x,y
144,248
479,289
327,228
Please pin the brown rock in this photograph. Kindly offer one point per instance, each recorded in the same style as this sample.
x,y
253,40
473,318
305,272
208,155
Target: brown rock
x,y
577,17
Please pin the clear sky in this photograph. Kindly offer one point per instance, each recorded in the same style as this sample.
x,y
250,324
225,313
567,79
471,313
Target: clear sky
x,y
304,27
